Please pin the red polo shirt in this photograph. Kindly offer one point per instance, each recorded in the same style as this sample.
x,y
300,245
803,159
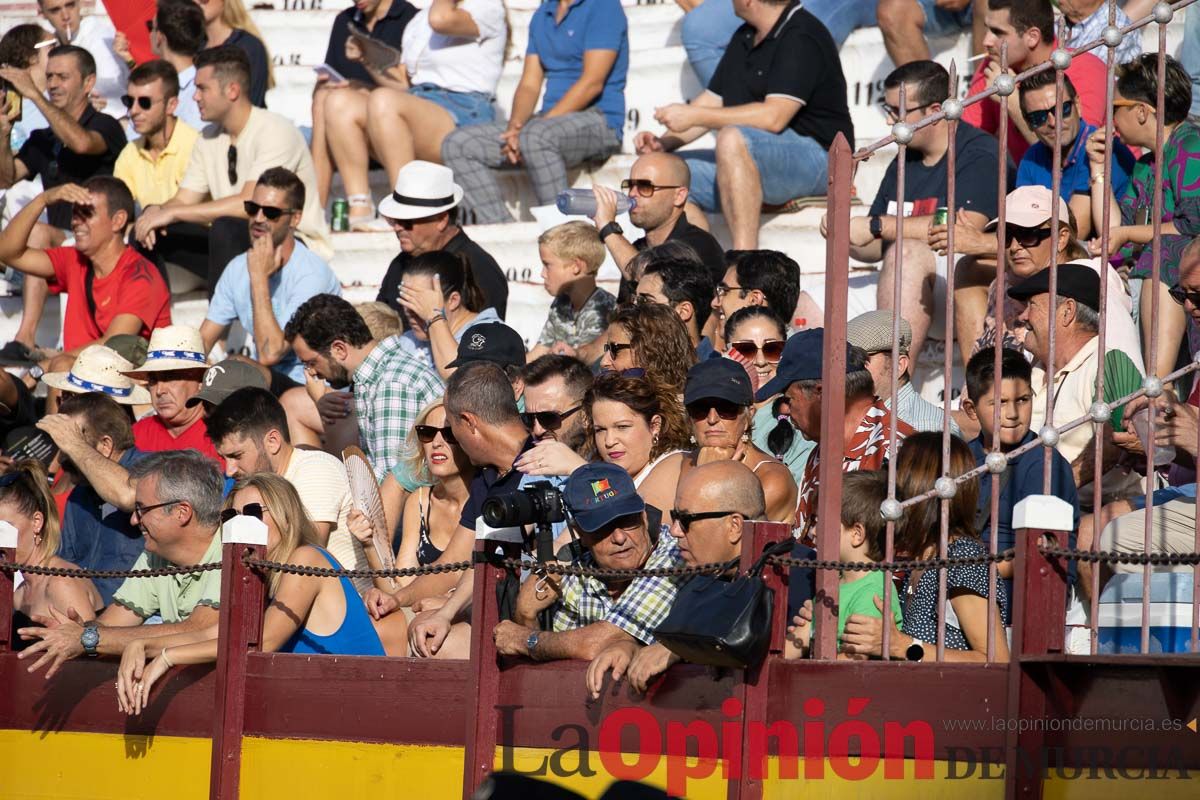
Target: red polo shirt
x,y
151,435
134,287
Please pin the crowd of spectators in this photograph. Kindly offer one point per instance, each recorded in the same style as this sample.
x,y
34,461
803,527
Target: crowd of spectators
x,y
663,417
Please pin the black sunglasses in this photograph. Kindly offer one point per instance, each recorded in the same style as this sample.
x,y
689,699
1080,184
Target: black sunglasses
x,y
549,420
645,187
141,510
143,103
725,409
1026,237
249,510
1178,294
614,350
425,434
1037,119
231,165
270,212
685,519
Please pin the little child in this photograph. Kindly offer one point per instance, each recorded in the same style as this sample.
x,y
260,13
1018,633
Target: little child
x,y
571,255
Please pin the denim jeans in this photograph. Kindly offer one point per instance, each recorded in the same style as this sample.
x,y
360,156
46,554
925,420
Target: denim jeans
x,y
1189,52
841,17
706,32
789,166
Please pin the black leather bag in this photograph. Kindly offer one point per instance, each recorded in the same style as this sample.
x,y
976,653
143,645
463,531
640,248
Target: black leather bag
x,y
722,623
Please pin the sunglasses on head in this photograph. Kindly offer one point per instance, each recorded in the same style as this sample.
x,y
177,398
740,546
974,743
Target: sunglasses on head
x,y
143,103
725,410
645,187
1178,294
549,420
1026,237
270,212
772,349
685,519
1037,119
231,165
425,434
249,510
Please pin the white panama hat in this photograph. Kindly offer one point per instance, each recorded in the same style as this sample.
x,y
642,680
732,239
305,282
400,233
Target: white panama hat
x,y
172,347
422,190
98,369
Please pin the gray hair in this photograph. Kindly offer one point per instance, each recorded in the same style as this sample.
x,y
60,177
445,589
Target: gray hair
x,y
185,475
482,388
1086,317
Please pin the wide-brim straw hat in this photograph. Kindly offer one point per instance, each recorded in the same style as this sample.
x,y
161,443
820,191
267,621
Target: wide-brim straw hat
x,y
98,369
172,347
422,190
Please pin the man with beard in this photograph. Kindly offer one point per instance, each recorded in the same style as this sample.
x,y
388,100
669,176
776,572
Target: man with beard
x,y
391,386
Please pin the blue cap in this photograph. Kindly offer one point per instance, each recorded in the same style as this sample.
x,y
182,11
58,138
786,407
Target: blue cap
x,y
803,360
718,379
598,493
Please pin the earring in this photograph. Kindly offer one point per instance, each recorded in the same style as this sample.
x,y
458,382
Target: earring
x,y
654,440
692,439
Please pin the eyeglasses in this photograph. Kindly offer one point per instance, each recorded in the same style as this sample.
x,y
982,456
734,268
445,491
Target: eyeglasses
x,y
270,212
893,113
150,26
723,288
725,409
144,103
1026,237
249,510
614,349
549,420
772,349
684,519
140,511
644,187
231,165
1178,294
1037,119
426,433
1125,104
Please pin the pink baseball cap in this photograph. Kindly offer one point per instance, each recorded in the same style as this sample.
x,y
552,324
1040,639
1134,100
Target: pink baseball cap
x,y
1028,207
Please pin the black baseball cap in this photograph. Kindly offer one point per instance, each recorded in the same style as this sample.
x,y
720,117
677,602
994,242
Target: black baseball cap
x,y
1076,280
718,379
490,341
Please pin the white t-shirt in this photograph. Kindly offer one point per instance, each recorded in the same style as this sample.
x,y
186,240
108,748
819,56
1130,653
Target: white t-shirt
x,y
320,480
112,75
453,62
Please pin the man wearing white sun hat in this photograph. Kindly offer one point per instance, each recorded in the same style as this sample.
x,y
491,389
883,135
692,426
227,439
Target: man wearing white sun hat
x,y
174,370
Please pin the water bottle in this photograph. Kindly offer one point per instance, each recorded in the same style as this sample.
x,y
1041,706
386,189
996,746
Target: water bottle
x,y
582,202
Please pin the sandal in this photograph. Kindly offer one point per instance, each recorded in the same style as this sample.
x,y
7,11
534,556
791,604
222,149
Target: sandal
x,y
361,221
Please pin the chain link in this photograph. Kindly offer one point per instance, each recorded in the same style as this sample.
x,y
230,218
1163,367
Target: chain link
x,y
557,568
1105,557
894,566
61,572
328,572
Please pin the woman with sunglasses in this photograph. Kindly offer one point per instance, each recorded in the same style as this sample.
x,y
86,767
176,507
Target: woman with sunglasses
x,y
305,614
441,302
719,400
27,504
756,336
651,338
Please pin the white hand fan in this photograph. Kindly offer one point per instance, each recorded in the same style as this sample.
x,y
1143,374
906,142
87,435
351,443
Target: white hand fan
x,y
364,492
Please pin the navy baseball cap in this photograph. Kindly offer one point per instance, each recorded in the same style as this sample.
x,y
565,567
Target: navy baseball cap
x,y
596,494
490,341
718,379
802,360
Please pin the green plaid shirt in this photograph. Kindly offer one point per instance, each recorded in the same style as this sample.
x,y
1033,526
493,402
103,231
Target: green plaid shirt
x,y
391,387
638,610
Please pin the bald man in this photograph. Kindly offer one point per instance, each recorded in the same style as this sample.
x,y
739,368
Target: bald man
x,y
711,504
659,182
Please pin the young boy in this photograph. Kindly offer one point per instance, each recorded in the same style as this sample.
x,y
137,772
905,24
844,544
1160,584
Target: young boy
x,y
1024,476
862,539
571,254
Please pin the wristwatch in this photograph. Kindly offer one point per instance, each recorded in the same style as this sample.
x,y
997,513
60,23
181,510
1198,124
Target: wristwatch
x,y
90,638
610,229
531,642
876,225
915,651
36,372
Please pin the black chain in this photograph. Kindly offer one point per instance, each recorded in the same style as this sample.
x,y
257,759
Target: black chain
x,y
328,572
1104,557
557,568
894,566
61,572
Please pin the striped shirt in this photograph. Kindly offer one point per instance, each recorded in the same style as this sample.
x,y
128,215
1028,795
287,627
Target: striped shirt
x,y
918,412
1089,30
391,386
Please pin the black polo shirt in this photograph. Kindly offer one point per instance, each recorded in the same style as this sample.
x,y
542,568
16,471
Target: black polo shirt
x,y
484,269
388,30
797,59
488,482
44,154
704,243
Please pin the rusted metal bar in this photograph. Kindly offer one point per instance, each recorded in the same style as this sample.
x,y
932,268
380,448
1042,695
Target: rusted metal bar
x,y
1055,217
948,360
7,579
483,724
833,392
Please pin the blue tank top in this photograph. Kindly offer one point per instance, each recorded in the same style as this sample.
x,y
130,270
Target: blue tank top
x,y
355,637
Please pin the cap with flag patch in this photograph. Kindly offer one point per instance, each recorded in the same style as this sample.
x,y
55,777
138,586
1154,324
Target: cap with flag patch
x,y
596,494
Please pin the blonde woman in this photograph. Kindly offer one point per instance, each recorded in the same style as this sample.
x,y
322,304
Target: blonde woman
x,y
227,22
27,504
305,614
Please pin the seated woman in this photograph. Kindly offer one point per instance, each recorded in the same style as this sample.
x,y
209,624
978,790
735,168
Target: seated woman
x,y
652,339
453,53
27,504
720,401
227,22
431,513
438,287
305,615
633,424
966,612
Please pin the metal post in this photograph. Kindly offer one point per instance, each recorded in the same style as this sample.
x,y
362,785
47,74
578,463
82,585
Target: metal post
x,y
8,554
482,723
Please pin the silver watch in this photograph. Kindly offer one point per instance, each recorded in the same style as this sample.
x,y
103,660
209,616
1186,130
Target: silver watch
x,y
532,642
90,638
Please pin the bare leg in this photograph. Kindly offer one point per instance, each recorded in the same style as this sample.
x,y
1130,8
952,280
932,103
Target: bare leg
x,y
34,290
457,644
741,188
695,215
902,23
1171,326
346,124
916,292
393,633
304,424
971,281
320,143
403,127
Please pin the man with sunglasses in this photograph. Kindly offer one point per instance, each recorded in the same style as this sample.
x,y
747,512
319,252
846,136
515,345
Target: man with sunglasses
x,y
207,214
263,287
659,183
1037,166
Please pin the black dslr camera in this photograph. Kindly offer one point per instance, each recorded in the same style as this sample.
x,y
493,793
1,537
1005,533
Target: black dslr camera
x,y
538,504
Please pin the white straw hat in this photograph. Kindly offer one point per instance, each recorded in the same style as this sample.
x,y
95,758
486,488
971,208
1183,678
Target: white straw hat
x,y
422,190
172,347
98,369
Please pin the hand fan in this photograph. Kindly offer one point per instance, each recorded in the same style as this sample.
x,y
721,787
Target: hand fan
x,y
377,55
364,493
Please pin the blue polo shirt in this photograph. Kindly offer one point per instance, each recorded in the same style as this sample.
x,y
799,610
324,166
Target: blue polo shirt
x,y
1036,167
588,25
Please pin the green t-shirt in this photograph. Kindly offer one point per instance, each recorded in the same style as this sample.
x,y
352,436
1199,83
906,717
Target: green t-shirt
x,y
858,597
173,597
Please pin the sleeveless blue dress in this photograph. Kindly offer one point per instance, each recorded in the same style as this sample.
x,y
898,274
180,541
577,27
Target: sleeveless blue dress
x,y
355,637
